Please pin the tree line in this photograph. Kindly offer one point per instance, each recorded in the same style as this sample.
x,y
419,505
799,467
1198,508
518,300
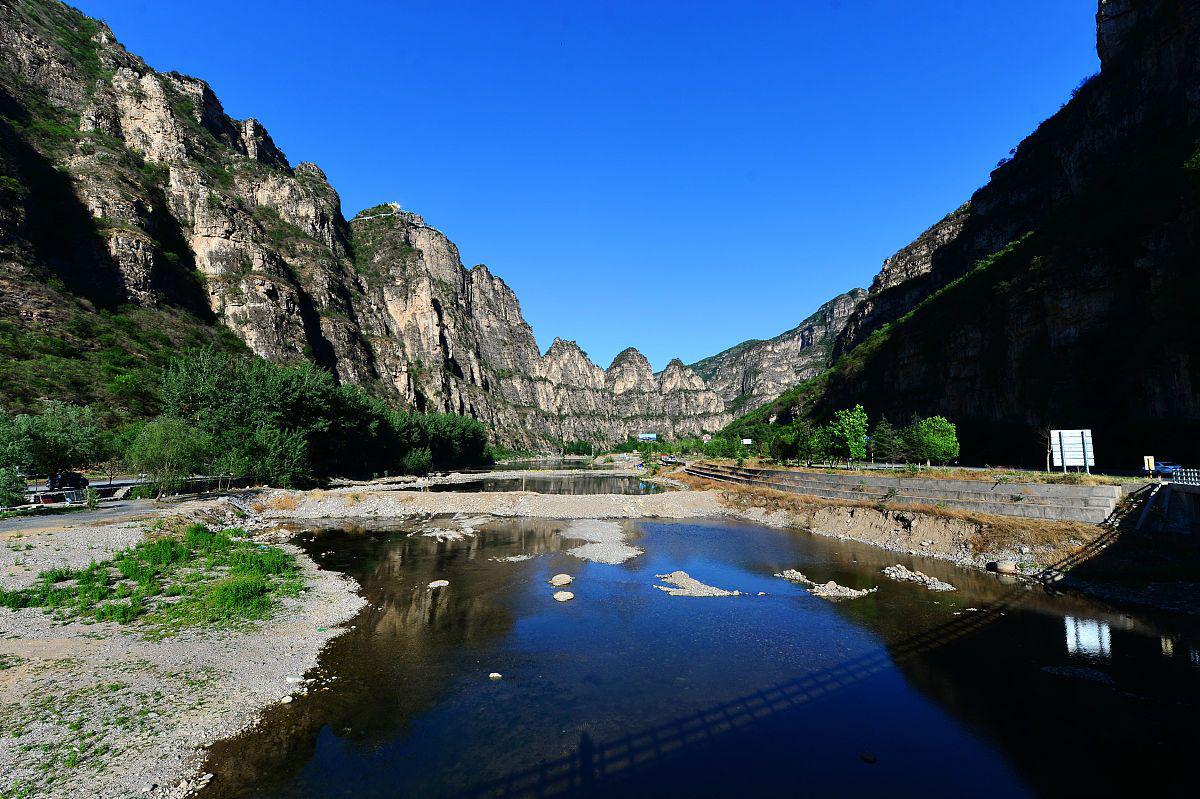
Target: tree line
x,y
242,417
848,436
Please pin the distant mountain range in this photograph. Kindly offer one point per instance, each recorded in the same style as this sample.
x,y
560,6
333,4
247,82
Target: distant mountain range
x,y
137,218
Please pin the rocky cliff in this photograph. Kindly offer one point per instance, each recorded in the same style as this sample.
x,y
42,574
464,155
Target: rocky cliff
x,y
753,372
137,217
1063,293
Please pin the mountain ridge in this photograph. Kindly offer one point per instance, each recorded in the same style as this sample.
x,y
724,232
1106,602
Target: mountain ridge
x,y
179,209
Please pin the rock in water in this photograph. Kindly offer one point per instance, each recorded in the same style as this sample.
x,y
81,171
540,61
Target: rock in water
x,y
1005,567
829,590
682,584
494,676
559,580
439,584
899,572
563,596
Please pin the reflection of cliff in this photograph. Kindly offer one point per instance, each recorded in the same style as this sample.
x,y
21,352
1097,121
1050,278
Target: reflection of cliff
x,y
1059,695
402,652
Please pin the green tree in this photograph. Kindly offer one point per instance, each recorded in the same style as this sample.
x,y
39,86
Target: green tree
x,y
848,433
886,444
169,450
12,487
14,443
783,446
61,437
934,439
821,443
278,457
805,440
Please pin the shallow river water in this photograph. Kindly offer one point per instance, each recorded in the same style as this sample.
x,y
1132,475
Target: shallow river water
x,y
996,689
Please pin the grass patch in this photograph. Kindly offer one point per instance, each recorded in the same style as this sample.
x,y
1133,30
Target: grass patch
x,y
186,578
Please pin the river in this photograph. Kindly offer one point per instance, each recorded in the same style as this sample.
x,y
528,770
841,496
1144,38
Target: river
x,y
995,689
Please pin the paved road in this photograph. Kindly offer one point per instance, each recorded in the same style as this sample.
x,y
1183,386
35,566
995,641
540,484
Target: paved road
x,y
107,512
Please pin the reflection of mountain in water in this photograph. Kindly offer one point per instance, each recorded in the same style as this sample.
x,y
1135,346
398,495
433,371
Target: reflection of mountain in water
x,y
1068,698
403,650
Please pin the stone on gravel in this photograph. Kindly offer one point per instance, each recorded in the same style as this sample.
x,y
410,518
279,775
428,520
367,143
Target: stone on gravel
x,y
563,596
561,580
606,541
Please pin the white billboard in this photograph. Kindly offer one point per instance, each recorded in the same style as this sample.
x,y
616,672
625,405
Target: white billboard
x,y
1072,448
647,436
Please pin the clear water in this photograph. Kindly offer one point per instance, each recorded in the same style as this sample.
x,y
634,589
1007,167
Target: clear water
x,y
557,484
996,689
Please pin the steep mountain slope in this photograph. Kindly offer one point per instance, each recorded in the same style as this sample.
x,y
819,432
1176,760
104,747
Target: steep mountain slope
x,y
136,217
753,372
1064,293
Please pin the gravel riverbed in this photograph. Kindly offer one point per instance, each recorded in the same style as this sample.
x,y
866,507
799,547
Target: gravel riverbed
x,y
96,710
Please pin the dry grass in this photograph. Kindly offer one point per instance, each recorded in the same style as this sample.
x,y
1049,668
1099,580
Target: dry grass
x,y
1050,539
997,475
354,499
283,502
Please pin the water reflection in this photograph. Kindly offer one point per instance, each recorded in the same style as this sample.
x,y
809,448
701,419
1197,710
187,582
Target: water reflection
x,y
627,691
1087,637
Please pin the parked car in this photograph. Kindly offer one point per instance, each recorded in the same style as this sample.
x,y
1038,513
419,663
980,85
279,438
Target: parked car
x,y
64,480
1165,469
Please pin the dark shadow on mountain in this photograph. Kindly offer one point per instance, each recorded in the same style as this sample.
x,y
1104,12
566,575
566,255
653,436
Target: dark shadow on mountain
x,y
59,232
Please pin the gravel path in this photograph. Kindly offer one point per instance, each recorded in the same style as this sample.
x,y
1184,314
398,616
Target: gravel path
x,y
363,503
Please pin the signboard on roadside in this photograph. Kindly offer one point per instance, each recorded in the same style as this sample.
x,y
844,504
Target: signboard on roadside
x,y
647,436
706,438
1148,463
747,441
1072,448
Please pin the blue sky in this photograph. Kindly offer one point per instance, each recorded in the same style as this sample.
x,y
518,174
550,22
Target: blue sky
x,y
674,176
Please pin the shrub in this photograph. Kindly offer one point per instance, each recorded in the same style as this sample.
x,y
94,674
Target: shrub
x,y
417,461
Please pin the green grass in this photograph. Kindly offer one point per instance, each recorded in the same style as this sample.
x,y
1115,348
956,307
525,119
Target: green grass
x,y
199,577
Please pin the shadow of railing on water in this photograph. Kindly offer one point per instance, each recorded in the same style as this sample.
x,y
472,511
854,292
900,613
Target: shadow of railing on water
x,y
595,761
592,762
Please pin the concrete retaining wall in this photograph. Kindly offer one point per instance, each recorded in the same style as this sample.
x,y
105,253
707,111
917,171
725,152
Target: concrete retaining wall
x,y
1091,504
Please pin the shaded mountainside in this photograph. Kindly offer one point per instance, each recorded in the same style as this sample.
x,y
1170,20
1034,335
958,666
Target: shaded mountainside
x,y
756,371
137,218
1064,294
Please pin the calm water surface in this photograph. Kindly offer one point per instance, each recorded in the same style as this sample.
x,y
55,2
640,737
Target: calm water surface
x,y
992,690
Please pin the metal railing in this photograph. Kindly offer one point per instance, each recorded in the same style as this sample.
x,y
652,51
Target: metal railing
x,y
1187,477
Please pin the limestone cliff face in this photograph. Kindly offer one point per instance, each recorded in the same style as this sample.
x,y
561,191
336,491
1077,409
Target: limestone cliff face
x,y
173,204
1081,321
755,372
